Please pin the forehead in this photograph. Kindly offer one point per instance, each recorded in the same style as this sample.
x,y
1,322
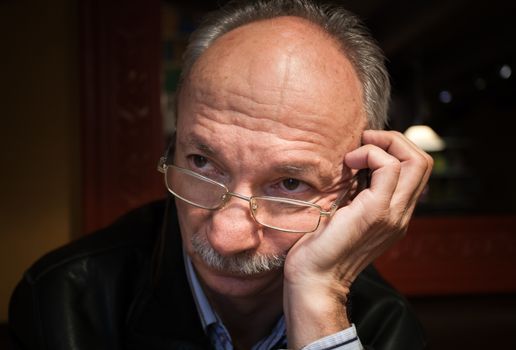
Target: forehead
x,y
282,76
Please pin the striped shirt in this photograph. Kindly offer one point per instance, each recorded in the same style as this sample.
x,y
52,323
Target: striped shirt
x,y
221,340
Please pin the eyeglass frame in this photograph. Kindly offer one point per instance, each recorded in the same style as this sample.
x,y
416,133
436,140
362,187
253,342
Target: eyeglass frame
x,y
162,168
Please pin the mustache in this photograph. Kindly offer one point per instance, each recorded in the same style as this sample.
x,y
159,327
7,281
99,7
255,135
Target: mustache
x,y
245,263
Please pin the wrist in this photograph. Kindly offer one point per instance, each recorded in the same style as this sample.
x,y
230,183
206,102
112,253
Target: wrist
x,y
326,289
313,311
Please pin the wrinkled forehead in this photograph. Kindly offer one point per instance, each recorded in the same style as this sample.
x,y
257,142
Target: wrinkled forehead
x,y
275,66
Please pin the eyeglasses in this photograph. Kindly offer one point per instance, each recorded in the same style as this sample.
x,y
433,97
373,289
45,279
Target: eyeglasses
x,y
283,214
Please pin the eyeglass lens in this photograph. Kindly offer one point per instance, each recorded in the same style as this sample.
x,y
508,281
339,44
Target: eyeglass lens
x,y
194,189
275,213
286,216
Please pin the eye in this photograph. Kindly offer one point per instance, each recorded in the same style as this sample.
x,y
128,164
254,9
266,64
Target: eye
x,y
200,164
204,166
199,161
291,184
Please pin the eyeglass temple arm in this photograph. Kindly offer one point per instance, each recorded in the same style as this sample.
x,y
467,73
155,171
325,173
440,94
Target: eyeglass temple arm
x,y
161,164
169,151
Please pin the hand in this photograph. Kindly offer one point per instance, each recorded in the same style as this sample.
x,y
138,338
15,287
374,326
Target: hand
x,y
321,267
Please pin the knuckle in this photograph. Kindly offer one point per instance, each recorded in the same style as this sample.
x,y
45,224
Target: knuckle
x,y
429,160
423,162
370,147
422,166
395,164
396,133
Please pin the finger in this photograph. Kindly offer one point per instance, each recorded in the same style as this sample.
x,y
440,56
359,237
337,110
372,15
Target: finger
x,y
396,144
416,166
393,142
385,170
400,147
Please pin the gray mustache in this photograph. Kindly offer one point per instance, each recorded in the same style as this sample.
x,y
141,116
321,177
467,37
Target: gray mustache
x,y
245,263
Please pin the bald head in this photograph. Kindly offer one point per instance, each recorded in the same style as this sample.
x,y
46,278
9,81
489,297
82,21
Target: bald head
x,y
335,22
274,63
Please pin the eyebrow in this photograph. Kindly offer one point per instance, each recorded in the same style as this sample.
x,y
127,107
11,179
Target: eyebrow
x,y
294,170
196,143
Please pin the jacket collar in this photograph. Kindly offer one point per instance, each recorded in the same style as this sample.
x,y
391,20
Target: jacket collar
x,y
164,314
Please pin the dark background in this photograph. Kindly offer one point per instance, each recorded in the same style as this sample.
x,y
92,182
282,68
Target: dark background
x,y
433,47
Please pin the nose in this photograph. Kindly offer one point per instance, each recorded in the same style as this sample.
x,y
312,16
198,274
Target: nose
x,y
232,229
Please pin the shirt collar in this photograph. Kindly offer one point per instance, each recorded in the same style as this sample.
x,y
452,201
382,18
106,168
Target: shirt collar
x,y
204,309
209,317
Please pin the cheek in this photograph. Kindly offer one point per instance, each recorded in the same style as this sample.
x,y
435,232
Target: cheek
x,y
280,242
191,220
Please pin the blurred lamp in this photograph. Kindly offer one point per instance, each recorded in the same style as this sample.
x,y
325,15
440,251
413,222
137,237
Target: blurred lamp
x,y
505,72
425,138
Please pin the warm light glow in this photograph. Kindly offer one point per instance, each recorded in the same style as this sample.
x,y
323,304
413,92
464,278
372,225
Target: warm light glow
x,y
425,137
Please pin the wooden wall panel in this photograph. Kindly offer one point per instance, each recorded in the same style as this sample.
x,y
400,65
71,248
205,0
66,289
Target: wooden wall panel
x,y
454,255
122,136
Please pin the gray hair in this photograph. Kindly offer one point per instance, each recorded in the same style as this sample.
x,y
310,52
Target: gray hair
x,y
340,24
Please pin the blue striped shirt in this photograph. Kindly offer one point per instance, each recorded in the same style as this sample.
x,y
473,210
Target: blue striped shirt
x,y
221,340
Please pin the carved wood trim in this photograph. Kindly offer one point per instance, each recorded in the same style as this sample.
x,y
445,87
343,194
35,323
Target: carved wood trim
x,y
122,136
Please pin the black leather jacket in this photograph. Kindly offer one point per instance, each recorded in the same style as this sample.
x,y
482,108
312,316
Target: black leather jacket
x,y
124,287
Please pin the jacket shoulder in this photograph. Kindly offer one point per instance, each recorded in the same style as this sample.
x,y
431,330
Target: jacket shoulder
x,y
88,284
136,230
